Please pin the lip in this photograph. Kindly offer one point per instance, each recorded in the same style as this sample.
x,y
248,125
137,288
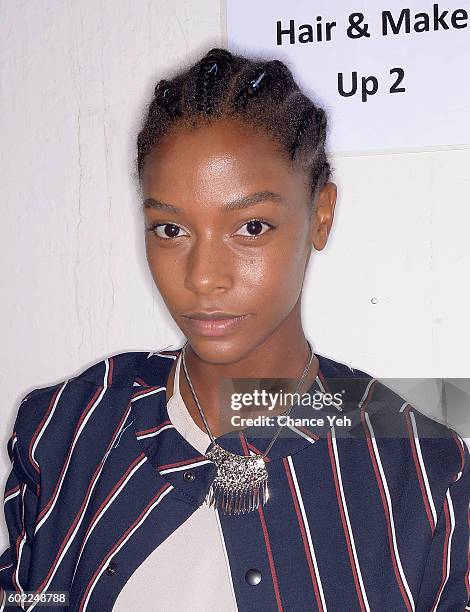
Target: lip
x,y
214,324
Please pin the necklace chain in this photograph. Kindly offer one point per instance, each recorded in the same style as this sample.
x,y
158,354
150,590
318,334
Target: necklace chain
x,y
201,412
241,483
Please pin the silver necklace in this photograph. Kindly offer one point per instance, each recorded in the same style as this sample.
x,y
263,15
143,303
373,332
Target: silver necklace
x,y
241,483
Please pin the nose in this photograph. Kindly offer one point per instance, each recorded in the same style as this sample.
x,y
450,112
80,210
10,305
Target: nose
x,y
208,266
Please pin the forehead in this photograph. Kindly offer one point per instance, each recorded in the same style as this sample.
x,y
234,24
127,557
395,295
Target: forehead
x,y
224,155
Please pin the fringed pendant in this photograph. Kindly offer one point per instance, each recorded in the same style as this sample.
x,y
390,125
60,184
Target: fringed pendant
x,y
241,484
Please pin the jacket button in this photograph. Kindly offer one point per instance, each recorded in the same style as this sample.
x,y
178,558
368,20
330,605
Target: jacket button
x,y
253,576
189,476
111,568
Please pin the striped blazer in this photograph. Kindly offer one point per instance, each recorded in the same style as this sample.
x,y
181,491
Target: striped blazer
x,y
373,515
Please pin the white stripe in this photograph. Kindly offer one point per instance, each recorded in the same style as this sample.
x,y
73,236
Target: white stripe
x,y
229,571
348,522
106,507
82,427
20,551
307,529
449,548
155,433
462,444
366,391
323,390
319,383
185,467
15,440
155,503
44,427
138,397
159,351
390,510
403,407
11,496
301,433
84,509
422,466
160,354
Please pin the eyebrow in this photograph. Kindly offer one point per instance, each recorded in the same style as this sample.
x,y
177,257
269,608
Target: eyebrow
x,y
237,204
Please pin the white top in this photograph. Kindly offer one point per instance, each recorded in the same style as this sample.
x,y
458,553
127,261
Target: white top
x,y
189,570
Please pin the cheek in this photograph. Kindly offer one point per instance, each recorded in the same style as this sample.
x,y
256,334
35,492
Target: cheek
x,y
273,271
161,264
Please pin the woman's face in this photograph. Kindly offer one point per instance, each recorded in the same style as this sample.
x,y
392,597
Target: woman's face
x,y
203,187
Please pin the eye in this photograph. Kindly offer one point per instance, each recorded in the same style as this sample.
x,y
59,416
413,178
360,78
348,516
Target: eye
x,y
167,230
255,229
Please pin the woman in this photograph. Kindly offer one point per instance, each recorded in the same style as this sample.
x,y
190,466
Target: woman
x,y
132,485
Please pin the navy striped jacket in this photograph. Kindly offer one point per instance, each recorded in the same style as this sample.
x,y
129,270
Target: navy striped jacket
x,y
373,516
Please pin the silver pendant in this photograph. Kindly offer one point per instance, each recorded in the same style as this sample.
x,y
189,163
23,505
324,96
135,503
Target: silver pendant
x,y
241,484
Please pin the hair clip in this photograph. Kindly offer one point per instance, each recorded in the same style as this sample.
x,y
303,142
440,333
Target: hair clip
x,y
214,65
255,82
159,86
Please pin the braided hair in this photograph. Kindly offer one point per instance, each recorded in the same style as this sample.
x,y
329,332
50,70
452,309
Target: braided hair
x,y
257,92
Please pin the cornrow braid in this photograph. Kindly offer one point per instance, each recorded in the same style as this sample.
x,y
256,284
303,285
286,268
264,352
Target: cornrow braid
x,y
307,121
259,93
213,69
167,98
273,79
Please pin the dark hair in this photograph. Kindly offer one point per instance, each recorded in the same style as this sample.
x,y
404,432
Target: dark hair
x,y
257,92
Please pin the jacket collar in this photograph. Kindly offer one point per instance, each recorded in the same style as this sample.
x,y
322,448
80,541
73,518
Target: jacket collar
x,y
150,425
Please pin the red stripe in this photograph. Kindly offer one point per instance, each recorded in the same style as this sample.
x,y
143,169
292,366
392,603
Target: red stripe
x,y
422,486
459,445
309,433
257,451
153,429
244,444
108,497
39,427
343,521
270,558
445,551
17,548
82,417
179,463
265,534
467,576
116,544
323,380
12,490
174,352
385,507
85,500
303,532
146,391
110,372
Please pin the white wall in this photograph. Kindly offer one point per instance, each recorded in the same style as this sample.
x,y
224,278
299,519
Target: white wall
x,y
75,285
74,280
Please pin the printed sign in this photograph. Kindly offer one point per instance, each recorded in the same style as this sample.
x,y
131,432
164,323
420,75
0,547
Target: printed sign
x,y
391,76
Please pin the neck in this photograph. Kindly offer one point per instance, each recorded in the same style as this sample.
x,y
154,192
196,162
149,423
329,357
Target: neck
x,y
284,355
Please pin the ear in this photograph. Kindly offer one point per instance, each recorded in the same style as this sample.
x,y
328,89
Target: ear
x,y
322,215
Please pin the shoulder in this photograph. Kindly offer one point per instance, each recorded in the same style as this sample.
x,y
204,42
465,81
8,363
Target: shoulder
x,y
105,385
387,414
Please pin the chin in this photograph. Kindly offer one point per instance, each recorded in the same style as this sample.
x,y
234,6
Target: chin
x,y
219,349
